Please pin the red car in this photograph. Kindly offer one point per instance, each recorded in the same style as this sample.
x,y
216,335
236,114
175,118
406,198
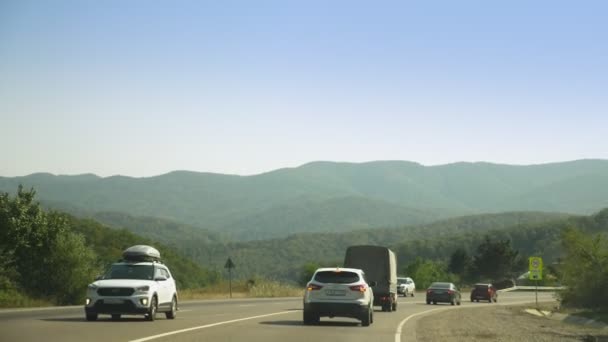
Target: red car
x,y
484,292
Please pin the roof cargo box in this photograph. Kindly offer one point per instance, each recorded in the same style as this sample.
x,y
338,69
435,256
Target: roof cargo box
x,y
141,253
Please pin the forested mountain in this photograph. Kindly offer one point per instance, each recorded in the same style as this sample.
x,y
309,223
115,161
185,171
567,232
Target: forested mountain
x,y
328,196
283,258
169,232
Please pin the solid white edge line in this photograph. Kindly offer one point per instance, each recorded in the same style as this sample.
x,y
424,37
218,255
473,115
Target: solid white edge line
x,y
206,326
398,332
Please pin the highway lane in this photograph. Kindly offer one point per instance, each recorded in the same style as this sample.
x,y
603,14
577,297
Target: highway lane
x,y
276,319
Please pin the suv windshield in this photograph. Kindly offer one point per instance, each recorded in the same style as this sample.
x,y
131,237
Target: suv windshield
x,y
126,271
336,277
401,281
440,285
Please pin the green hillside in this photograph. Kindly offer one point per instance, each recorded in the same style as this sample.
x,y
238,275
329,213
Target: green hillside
x,y
165,231
283,258
328,196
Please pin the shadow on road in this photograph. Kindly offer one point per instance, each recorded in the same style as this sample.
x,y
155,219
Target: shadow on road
x,y
100,319
321,324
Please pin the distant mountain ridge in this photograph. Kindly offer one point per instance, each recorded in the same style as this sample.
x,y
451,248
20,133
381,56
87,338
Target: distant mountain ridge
x,y
330,196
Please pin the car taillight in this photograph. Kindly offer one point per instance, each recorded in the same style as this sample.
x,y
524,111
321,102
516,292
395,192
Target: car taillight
x,y
489,290
312,287
429,291
450,292
360,288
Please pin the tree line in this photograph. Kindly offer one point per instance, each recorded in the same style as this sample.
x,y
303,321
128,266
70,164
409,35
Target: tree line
x,y
52,256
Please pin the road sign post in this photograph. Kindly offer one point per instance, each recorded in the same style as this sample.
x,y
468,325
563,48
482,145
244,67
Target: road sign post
x,y
229,265
535,272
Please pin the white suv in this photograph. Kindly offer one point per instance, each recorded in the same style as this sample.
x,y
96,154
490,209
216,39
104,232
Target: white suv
x,y
342,292
406,286
133,287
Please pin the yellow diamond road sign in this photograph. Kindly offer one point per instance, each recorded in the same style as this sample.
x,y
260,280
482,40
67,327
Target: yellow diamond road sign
x,y
536,268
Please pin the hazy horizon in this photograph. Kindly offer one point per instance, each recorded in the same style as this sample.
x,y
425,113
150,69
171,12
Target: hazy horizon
x,y
297,166
145,88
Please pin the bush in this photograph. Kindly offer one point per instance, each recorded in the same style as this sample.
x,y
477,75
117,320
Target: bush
x,y
585,270
424,272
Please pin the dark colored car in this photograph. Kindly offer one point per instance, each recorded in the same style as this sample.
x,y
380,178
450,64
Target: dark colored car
x,y
484,292
443,293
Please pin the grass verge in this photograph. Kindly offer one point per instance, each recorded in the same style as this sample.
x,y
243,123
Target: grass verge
x,y
258,288
14,299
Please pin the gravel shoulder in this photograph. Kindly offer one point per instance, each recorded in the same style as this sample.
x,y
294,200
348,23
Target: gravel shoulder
x,y
500,323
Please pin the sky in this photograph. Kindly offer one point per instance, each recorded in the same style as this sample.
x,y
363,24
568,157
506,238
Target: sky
x,y
141,88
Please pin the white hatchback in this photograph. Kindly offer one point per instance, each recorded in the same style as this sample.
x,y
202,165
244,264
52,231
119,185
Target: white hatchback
x,y
338,292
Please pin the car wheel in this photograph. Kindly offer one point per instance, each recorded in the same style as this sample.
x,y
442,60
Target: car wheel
x,y
495,299
428,302
91,317
310,318
412,294
453,301
458,302
490,300
171,314
394,307
151,315
366,318
115,317
307,317
371,317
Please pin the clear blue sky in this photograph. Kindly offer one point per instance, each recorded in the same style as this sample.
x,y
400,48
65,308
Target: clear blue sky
x,y
141,88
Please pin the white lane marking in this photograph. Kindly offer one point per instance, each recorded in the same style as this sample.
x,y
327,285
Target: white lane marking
x,y
206,326
398,332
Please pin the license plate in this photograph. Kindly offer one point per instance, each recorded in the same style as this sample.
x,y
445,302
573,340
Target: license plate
x,y
335,292
113,301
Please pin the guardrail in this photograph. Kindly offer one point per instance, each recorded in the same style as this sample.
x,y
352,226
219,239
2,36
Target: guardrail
x,y
533,288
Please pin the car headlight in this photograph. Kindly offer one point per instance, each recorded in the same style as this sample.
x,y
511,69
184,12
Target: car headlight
x,y
142,289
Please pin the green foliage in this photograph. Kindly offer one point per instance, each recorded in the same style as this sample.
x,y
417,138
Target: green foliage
x,y
308,269
13,298
460,262
495,259
52,256
585,268
425,272
43,256
73,266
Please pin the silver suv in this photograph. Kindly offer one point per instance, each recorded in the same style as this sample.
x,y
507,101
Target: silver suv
x,y
139,285
406,286
338,292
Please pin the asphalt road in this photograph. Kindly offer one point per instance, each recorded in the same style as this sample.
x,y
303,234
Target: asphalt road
x,y
249,320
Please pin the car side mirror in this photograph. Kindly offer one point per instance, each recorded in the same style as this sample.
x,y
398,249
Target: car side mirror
x,y
372,284
160,278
